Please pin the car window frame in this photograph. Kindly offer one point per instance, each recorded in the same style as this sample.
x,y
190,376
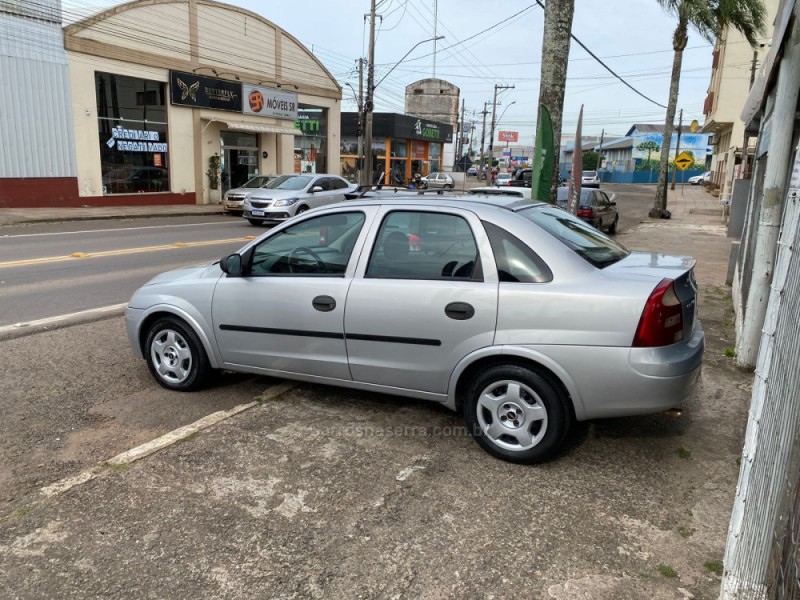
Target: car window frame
x,y
252,250
478,274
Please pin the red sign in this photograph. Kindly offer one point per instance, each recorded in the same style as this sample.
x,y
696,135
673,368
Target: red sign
x,y
508,136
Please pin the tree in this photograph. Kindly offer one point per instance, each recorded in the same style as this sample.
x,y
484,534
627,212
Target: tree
x,y
555,54
591,160
709,18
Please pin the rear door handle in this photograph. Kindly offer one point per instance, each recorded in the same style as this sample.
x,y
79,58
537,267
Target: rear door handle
x,y
324,303
460,311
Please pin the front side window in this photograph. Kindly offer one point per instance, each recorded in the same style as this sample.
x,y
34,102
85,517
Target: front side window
x,y
424,245
318,247
132,122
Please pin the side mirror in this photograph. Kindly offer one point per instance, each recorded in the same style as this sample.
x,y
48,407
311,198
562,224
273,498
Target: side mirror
x,y
316,188
232,265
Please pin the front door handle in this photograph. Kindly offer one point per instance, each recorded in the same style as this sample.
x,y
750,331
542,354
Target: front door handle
x,y
324,303
460,311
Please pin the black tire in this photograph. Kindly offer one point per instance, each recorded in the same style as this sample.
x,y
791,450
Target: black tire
x,y
449,187
254,222
613,229
175,356
535,417
301,210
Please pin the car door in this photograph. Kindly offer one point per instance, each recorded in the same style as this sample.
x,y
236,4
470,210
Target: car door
x,y
424,296
287,312
611,209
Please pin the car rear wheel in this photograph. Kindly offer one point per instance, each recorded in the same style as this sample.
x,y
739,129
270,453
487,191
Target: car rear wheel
x,y
175,356
613,229
515,414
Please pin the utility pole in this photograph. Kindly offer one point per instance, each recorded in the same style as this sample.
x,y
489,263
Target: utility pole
x,y
369,101
600,151
746,141
494,113
460,144
677,152
360,126
435,32
483,138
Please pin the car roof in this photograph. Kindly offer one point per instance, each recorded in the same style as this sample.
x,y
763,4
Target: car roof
x,y
509,203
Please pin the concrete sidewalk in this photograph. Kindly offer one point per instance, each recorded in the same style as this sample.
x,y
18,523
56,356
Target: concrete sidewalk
x,y
324,493
16,216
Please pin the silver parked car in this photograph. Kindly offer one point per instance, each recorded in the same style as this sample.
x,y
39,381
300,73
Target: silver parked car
x,y
290,195
439,180
518,314
233,199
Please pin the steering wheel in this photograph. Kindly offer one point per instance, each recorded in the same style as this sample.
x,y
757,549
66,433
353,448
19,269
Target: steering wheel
x,y
295,266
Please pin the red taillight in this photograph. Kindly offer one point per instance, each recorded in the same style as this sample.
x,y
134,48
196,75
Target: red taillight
x,y
661,323
584,212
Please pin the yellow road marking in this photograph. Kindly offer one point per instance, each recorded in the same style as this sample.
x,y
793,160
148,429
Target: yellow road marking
x,y
81,255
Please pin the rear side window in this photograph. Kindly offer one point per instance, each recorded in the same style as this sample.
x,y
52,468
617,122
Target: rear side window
x,y
516,261
423,245
583,239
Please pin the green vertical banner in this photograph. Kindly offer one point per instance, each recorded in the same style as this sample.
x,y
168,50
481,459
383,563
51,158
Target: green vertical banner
x,y
544,160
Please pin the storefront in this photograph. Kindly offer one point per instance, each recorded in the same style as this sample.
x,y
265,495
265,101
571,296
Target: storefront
x,y
402,146
157,125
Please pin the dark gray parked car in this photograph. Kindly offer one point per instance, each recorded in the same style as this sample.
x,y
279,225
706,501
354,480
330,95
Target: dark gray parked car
x,y
595,207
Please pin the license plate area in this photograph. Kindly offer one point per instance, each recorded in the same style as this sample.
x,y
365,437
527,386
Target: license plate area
x,y
258,213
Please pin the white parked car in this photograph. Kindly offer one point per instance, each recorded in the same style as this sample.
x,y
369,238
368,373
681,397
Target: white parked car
x,y
698,179
590,179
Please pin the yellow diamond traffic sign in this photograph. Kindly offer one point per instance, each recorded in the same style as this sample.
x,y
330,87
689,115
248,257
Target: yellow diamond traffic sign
x,y
683,161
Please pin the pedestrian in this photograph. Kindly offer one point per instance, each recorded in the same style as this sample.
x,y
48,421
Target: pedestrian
x,y
494,176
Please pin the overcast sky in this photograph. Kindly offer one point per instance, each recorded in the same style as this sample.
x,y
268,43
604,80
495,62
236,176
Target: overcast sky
x,y
634,37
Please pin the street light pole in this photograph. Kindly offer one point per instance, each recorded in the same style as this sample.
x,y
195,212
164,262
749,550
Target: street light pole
x,y
494,112
372,86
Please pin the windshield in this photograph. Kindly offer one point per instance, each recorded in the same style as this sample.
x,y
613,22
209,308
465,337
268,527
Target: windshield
x,y
289,182
583,239
257,182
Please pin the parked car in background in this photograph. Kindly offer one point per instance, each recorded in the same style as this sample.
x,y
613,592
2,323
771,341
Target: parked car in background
x,y
488,307
522,179
595,207
503,179
233,199
698,179
473,170
290,195
500,191
439,180
590,179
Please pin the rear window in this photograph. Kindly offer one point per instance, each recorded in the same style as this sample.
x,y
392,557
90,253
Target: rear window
x,y
580,237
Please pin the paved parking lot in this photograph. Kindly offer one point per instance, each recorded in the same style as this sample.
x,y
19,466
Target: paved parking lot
x,y
325,493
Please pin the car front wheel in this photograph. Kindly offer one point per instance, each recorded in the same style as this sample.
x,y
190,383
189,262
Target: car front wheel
x,y
175,356
515,414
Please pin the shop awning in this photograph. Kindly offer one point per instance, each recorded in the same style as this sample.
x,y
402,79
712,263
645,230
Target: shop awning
x,y
257,127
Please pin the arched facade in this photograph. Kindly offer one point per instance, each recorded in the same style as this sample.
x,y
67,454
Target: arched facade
x,y
160,88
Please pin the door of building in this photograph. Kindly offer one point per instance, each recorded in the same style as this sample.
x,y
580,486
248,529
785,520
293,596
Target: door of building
x,y
238,159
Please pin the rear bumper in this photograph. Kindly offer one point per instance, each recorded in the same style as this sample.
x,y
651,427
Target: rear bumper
x,y
618,382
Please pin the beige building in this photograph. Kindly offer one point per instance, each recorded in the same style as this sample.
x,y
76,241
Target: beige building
x,y
436,100
170,95
732,69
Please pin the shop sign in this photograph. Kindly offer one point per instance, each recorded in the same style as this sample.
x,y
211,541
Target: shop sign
x,y
508,136
135,140
420,129
267,102
188,89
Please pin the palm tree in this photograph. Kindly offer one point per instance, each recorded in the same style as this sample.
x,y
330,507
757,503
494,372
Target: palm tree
x,y
709,18
555,53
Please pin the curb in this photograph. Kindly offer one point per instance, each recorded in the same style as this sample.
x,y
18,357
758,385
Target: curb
x,y
18,330
30,220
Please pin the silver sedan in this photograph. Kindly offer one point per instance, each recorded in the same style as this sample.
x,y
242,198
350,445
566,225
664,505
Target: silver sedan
x,y
517,314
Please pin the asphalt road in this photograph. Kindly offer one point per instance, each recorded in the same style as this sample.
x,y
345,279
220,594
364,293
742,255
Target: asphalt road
x,y
56,269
